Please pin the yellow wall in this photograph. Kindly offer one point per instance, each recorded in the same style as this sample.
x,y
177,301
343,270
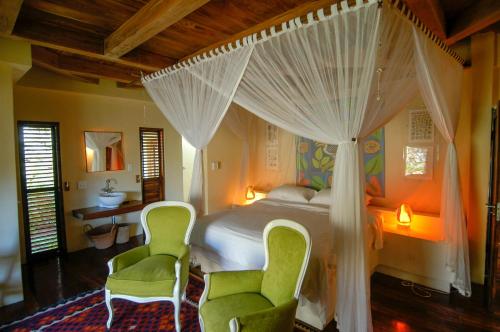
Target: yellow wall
x,y
15,59
422,195
79,111
265,179
481,101
221,184
10,269
463,138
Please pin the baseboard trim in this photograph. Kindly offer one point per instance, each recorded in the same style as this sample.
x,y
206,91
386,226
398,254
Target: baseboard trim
x,y
441,285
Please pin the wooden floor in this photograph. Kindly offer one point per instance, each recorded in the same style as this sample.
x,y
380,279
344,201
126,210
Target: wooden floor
x,y
394,307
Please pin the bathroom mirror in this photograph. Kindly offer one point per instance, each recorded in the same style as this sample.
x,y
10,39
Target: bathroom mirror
x,y
103,151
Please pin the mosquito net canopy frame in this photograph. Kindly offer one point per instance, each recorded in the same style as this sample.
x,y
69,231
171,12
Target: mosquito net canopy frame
x,y
335,77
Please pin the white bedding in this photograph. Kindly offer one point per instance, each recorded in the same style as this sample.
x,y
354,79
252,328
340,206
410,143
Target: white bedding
x,y
232,240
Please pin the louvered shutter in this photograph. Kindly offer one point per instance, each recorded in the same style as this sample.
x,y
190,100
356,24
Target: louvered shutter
x,y
152,164
40,185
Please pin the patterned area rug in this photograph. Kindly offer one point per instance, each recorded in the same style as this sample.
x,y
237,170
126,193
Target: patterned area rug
x,y
88,312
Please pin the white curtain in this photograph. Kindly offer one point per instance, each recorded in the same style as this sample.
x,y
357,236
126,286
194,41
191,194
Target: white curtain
x,y
334,80
194,98
316,82
440,81
238,121
394,85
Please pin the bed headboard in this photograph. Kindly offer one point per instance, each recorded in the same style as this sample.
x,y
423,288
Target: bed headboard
x,y
315,162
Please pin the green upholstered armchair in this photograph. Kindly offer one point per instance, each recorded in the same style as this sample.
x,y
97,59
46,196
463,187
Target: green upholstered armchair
x,y
158,270
260,301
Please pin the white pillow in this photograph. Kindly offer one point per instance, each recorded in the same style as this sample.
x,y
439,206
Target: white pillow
x,y
292,193
323,197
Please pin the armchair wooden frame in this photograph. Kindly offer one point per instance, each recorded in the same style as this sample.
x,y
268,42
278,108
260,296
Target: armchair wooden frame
x,y
178,293
233,323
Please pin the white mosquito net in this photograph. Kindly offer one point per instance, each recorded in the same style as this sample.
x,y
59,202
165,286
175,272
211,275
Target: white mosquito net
x,y
334,78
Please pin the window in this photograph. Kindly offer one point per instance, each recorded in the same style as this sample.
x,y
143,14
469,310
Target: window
x,y
419,162
419,153
153,185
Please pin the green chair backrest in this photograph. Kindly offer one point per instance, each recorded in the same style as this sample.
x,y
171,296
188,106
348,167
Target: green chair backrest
x,y
168,226
287,250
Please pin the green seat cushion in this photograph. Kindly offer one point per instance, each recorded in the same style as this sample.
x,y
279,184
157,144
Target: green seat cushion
x,y
151,277
217,313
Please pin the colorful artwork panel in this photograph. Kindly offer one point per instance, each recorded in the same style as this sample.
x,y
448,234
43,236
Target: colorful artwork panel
x,y
315,162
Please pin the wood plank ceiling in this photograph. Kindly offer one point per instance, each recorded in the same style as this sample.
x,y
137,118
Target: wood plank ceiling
x,y
117,39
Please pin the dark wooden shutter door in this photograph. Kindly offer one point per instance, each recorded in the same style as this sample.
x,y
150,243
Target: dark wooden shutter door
x,y
152,165
41,183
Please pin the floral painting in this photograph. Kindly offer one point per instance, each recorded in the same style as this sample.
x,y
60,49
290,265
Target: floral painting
x,y
315,162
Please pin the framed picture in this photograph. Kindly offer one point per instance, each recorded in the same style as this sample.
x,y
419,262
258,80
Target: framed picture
x,y
272,160
420,127
271,134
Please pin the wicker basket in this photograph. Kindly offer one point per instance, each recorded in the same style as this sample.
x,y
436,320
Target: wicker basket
x,y
102,236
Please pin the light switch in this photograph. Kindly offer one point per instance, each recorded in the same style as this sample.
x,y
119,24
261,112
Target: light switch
x,y
215,165
82,185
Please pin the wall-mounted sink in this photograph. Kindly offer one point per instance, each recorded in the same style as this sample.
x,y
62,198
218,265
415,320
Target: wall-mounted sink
x,y
111,200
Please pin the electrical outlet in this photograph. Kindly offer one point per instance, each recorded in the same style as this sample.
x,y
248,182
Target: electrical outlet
x,y
82,185
137,179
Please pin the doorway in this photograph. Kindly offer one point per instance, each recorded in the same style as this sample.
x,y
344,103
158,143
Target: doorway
x,y
40,173
492,266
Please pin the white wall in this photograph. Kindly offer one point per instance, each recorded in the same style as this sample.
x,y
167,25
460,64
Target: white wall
x,y
188,153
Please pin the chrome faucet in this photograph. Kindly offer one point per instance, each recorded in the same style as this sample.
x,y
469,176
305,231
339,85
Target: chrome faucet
x,y
108,189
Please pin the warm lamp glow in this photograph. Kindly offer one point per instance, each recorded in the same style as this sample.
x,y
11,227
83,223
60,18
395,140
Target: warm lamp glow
x,y
253,195
250,194
404,214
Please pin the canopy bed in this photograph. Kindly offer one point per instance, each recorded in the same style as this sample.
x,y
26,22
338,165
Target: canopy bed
x,y
334,77
232,240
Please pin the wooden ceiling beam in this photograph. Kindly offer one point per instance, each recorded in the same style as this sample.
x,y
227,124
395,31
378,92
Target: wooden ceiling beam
x,y
81,66
479,16
154,17
132,85
9,10
82,44
64,73
49,60
431,14
300,10
88,13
